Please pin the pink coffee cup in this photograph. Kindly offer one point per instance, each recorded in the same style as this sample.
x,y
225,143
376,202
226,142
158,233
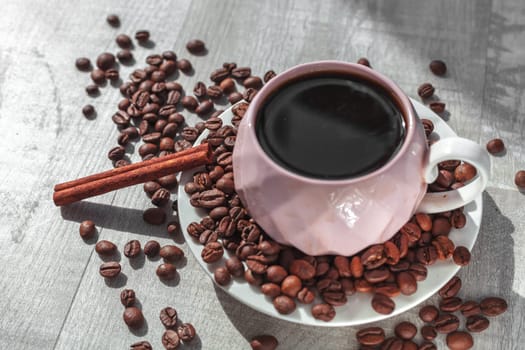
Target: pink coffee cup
x,y
320,216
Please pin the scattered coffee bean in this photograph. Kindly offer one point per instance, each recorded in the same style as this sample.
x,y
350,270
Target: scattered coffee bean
x,y
186,332
227,85
151,249
451,288
495,146
222,276
212,252
204,107
142,36
161,197
493,306
437,107
168,181
446,323
166,271
428,313
189,102
406,282
461,256
92,90
235,97
363,61
83,63
426,90
252,82
170,340
264,342
168,317
151,187
405,330
124,41
125,56
371,336
470,308
428,332
105,61
116,153
214,91
132,249
241,72
426,345
269,75
171,253
195,46
392,343
87,229
519,179
172,227
88,111
323,312
113,20
110,269
383,304
235,267
127,297
438,67
284,304
133,317
154,216
459,341
184,65
450,304
104,247
141,345
98,76
477,323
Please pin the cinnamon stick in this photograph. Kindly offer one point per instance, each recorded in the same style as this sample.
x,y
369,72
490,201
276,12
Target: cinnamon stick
x,y
94,185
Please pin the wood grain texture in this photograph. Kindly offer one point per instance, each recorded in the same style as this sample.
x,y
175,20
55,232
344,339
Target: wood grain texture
x,y
52,294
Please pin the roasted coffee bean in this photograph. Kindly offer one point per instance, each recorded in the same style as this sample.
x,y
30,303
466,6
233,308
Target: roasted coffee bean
x,y
189,102
170,340
222,276
213,123
160,197
151,187
257,263
276,273
229,66
428,313
199,90
235,266
495,146
438,67
383,304
83,63
121,162
212,252
88,111
241,72
125,56
235,97
284,304
477,323
392,343
142,36
446,323
458,219
196,46
264,342
168,67
428,332
364,61
356,267
271,289
158,77
208,199
392,253
170,130
405,330
132,249
148,148
226,85
470,308
426,90
184,65
437,107
168,181
133,317
214,91
445,178
166,144
124,41
450,304
249,94
116,153
166,271
110,269
105,61
269,75
305,296
172,227
141,345
151,248
377,275
252,82
123,139
171,253
92,90
87,229
461,256
426,255
181,145
121,118
323,312
427,345
406,282
342,264
127,297
412,231
113,20
373,257
204,107
370,336
168,317
444,247
441,226
104,247
290,286
464,172
493,306
451,288
459,341
154,216
186,332
428,126
169,55
519,179
218,213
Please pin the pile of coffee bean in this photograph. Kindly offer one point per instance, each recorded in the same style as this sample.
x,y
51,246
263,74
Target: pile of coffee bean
x,y
442,319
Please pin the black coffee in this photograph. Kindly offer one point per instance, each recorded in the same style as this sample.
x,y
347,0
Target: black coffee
x,y
330,127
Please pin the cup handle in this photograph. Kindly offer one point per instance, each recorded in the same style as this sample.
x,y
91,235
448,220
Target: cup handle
x,y
460,149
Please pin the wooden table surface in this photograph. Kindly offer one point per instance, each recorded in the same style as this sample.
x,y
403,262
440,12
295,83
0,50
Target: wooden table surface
x,y
52,296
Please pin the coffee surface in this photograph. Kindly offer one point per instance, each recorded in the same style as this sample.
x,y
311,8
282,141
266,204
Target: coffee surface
x,y
330,127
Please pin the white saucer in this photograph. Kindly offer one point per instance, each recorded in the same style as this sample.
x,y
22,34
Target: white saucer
x,y
358,310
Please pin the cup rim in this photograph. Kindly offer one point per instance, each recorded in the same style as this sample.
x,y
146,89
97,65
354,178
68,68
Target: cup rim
x,y
332,66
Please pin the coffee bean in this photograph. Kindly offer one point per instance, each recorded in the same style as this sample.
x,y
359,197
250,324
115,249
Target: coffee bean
x,y
166,271
252,82
249,94
133,317
461,256
383,304
377,275
438,67
464,172
125,56
87,229
109,269
160,197
405,330
154,216
151,248
222,276
426,90
151,187
214,91
168,317
141,345
124,41
410,345
428,313
424,221
459,341
451,288
290,286
104,247
392,344
83,63
235,266
495,146
284,304
450,304
426,345
170,340
142,36
132,249
88,111
113,20
189,102
426,255
168,181
171,253
92,90
200,90
184,65
116,153
371,336
204,107
437,107
428,332
105,61
493,306
127,297
364,61
212,252
428,126
519,179
470,308
264,342
186,332
235,97
323,312
441,226
195,46
446,323
356,267
477,323
227,85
